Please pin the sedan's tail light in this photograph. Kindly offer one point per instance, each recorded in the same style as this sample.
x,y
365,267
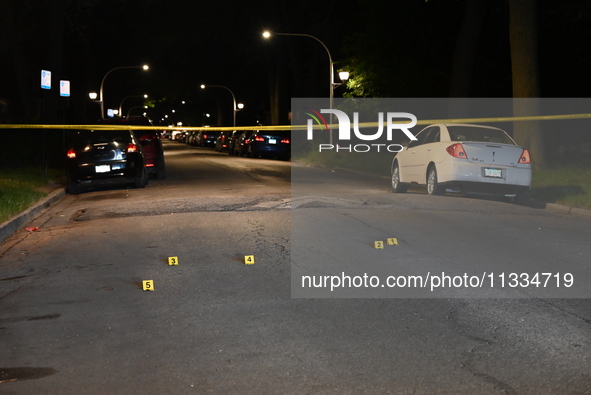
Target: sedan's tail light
x,y
525,157
131,147
259,138
457,151
71,153
285,141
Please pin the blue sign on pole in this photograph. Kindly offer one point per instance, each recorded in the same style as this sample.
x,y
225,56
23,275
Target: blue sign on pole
x,y
45,79
65,88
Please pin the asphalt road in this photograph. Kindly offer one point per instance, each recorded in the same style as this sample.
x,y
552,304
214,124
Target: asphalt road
x,y
74,318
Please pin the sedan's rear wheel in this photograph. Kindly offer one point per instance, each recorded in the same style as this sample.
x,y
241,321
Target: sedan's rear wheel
x,y
433,187
397,186
74,188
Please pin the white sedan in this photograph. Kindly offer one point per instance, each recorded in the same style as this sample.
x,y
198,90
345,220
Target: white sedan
x,y
463,158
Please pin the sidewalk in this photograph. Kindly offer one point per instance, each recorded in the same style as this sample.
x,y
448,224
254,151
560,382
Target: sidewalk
x,y
12,225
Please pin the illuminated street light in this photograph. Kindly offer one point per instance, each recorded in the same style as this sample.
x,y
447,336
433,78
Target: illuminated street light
x,y
267,34
234,108
344,75
145,67
93,95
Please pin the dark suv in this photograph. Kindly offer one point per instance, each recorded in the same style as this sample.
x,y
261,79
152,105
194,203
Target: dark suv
x,y
103,156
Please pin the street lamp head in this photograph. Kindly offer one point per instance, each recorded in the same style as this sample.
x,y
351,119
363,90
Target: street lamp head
x,y
146,96
266,34
145,67
92,95
202,86
344,75
240,106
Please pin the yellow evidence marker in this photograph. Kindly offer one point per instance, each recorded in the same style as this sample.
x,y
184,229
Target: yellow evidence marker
x,y
379,245
148,285
393,241
173,261
249,259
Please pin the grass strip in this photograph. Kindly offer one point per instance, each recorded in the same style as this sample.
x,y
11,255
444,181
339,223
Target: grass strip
x,y
564,184
19,189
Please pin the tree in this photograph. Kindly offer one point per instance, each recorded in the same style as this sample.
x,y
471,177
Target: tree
x,y
524,66
465,51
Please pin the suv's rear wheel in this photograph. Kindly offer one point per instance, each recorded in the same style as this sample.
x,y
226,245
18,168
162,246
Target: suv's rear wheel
x,y
161,171
141,181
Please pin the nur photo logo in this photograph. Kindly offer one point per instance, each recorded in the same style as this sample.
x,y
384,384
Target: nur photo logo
x,y
394,121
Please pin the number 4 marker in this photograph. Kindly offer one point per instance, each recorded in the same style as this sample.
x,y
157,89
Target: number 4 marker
x,y
249,259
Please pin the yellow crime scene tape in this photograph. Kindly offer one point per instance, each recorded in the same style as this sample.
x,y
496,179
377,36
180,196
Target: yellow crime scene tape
x,y
294,127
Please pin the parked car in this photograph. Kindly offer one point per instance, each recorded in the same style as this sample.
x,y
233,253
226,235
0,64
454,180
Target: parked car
x,y
97,157
183,137
232,141
153,151
272,144
207,138
192,137
463,158
150,141
241,142
174,135
222,142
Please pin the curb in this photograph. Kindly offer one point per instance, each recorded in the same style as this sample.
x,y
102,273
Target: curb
x,y
561,209
9,227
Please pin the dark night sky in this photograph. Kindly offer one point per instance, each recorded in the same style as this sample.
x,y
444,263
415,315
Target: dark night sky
x,y
187,43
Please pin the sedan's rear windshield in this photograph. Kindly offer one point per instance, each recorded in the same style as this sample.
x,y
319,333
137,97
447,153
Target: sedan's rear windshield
x,y
276,133
85,137
470,133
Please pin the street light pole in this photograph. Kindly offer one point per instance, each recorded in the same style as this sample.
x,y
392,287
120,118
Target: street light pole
x,y
268,34
145,67
203,86
128,97
330,62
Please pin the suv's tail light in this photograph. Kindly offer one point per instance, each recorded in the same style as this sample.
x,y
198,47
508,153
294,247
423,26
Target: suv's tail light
x,y
259,138
525,157
71,153
285,140
457,151
131,147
